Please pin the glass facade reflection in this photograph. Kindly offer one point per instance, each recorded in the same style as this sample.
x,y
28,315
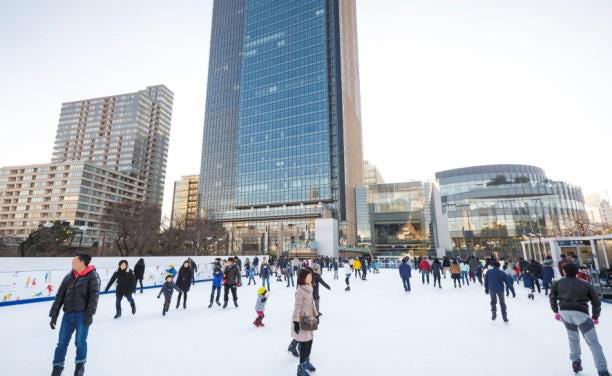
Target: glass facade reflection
x,y
282,127
492,208
400,217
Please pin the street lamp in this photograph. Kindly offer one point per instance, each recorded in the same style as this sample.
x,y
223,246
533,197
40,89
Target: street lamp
x,y
82,229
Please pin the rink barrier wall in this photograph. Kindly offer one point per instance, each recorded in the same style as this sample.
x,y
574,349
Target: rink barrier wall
x,y
25,280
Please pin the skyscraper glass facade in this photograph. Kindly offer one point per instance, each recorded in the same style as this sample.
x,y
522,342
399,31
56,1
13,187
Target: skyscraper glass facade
x,y
278,137
491,209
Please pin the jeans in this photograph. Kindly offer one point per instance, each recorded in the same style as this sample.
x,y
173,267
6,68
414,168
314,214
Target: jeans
x,y
212,293
119,298
424,275
498,295
348,277
264,280
289,279
255,269
510,288
438,279
578,321
357,273
227,289
464,278
70,322
406,282
335,273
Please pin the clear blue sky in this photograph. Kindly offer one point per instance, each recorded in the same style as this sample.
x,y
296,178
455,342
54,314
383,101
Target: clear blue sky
x,y
444,83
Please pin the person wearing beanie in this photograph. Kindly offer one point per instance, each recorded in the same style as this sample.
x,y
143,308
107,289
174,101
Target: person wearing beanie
x,y
260,306
569,298
167,289
495,284
126,283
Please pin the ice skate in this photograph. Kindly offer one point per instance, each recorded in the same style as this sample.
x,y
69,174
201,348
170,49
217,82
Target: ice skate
x,y
577,366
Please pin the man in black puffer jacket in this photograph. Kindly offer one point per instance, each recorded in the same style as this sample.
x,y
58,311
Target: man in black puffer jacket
x,y
78,294
569,298
231,281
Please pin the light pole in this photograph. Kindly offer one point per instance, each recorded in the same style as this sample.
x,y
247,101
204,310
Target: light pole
x,y
82,230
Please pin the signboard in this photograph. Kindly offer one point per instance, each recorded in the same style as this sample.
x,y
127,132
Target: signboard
x,y
573,243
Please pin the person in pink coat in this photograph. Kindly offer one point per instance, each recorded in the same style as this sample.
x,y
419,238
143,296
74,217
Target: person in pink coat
x,y
304,307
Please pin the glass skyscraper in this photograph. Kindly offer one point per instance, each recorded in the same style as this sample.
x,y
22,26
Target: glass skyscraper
x,y
282,132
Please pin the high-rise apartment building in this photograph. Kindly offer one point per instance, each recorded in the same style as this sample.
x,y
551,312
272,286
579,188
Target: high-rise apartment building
x,y
371,174
282,141
127,133
185,201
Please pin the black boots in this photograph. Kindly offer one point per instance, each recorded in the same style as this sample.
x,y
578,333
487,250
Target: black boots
x,y
79,370
236,303
293,349
493,315
117,315
577,366
57,371
133,309
604,373
211,303
225,304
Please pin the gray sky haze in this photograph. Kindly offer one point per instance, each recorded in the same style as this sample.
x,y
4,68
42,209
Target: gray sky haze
x,y
444,83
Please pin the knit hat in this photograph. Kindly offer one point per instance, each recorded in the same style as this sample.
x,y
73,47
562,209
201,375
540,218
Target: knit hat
x,y
262,291
168,276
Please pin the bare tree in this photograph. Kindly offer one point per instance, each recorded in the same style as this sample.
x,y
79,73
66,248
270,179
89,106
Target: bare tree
x,y
136,226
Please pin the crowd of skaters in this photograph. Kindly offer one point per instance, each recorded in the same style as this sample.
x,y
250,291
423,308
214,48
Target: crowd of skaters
x,y
569,296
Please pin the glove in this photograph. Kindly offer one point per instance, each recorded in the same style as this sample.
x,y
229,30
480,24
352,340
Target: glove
x,y
53,322
595,321
158,296
88,320
263,300
558,316
486,291
296,327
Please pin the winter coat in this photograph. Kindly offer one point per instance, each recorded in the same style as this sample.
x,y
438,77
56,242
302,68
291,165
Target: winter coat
x,y
495,280
548,273
464,267
347,269
357,264
436,269
125,282
78,292
424,266
304,307
260,304
265,270
534,270
139,269
446,263
404,270
217,277
185,278
572,294
316,280
232,275
256,261
473,264
167,289
455,269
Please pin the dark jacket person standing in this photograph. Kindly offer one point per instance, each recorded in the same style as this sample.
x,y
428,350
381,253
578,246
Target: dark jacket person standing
x,y
183,282
139,271
78,295
125,287
405,273
569,299
495,284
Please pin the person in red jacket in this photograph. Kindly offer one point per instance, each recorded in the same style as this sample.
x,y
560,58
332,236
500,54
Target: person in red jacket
x,y
425,269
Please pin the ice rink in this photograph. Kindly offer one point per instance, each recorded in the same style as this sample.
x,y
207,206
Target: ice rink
x,y
375,329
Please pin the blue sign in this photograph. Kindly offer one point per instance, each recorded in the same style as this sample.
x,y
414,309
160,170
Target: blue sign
x,y
573,243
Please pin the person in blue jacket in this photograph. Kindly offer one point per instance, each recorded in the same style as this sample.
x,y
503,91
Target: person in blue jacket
x,y
405,272
265,273
495,283
548,273
216,283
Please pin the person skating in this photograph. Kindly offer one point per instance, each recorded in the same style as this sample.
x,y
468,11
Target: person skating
x,y
256,265
405,273
265,273
232,279
139,271
357,268
465,268
78,296
304,321
455,271
183,282
317,280
495,283
217,281
425,269
533,273
125,287
569,298
365,265
250,273
436,272
194,269
561,264
446,264
347,270
479,272
473,263
290,271
509,280
548,273
334,265
167,289
260,306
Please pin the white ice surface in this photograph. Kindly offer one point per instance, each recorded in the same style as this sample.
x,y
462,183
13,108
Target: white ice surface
x,y
375,329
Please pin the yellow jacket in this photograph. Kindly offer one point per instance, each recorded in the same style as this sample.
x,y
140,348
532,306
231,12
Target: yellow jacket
x,y
357,264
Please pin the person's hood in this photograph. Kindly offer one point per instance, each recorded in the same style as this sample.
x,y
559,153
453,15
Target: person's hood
x,y
84,272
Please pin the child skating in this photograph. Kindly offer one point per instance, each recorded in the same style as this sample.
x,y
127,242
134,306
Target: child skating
x,y
167,289
260,306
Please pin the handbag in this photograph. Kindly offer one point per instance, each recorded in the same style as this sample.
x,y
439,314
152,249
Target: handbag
x,y
309,323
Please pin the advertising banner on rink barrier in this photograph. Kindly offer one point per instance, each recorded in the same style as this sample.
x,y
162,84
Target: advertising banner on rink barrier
x,y
35,279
